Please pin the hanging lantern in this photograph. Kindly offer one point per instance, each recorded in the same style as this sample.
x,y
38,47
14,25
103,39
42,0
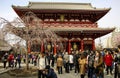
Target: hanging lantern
x,y
61,17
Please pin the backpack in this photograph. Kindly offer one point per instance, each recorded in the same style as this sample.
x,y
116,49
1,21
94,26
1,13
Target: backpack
x,y
118,58
115,58
91,59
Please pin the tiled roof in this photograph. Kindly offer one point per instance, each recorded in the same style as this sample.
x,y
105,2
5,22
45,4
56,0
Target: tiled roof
x,y
88,32
80,29
60,6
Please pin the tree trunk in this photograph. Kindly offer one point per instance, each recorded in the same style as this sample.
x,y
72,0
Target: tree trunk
x,y
27,63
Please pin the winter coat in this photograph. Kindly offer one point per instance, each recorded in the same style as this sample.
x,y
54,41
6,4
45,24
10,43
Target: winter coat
x,y
98,64
82,64
108,59
11,57
51,74
59,62
75,59
66,58
41,64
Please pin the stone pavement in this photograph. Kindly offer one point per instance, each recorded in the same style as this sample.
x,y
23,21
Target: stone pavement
x,y
64,75
2,70
73,75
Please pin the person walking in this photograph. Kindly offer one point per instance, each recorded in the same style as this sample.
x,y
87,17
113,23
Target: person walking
x,y
117,63
98,65
82,65
4,59
71,63
76,64
59,64
11,60
108,59
52,59
19,60
90,64
41,66
66,62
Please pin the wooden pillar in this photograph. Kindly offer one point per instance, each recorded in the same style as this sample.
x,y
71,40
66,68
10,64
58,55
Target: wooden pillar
x,y
69,47
93,44
82,45
42,47
55,48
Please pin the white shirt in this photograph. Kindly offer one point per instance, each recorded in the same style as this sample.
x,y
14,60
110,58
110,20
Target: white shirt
x,y
71,58
41,64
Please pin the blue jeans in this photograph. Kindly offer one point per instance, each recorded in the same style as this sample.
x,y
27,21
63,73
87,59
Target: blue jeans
x,y
90,72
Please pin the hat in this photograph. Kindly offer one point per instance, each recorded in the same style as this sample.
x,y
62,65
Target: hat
x,y
47,67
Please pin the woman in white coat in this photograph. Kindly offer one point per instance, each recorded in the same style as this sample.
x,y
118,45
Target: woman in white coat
x,y
41,66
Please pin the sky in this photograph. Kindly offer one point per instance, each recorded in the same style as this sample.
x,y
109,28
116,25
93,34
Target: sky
x,y
111,19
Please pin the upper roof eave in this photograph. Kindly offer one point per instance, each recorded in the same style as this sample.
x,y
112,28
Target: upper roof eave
x,y
59,6
25,8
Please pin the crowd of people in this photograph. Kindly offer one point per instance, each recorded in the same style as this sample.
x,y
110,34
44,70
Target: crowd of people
x,y
12,60
91,64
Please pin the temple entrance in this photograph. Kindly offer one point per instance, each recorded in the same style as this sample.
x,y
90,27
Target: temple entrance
x,y
88,47
65,46
79,34
75,46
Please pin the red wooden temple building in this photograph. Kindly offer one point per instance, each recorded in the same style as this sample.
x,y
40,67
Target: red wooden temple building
x,y
76,23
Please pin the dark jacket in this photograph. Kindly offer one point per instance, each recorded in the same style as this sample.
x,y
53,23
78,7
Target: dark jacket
x,y
51,74
75,59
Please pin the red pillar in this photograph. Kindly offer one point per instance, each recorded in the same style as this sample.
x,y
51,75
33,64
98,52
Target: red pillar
x,y
93,44
82,45
54,48
42,46
69,47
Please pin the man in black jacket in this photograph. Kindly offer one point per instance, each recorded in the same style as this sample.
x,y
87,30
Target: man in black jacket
x,y
117,63
49,72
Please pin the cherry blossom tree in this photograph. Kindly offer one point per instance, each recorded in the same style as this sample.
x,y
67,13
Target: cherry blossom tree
x,y
115,39
29,29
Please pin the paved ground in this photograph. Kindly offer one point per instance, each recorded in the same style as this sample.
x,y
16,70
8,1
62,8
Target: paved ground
x,y
71,75
64,75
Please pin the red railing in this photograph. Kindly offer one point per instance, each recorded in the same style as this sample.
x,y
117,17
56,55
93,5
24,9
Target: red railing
x,y
82,25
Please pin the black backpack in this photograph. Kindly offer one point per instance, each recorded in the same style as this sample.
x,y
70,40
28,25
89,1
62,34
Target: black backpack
x,y
91,59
